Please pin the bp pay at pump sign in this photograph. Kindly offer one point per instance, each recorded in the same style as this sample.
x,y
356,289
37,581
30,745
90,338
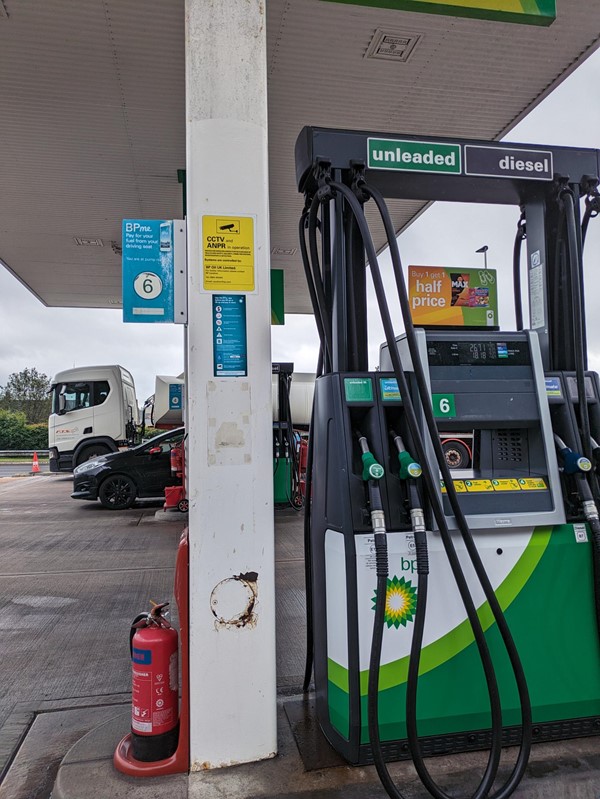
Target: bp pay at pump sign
x,y
148,270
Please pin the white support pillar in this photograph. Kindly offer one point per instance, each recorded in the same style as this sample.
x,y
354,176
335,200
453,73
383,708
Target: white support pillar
x,y
232,595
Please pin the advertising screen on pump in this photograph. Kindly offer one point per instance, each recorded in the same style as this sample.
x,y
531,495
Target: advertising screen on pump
x,y
452,296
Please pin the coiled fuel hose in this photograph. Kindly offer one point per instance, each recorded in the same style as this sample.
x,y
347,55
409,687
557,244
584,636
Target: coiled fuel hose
x,y
524,700
432,487
588,491
372,477
520,236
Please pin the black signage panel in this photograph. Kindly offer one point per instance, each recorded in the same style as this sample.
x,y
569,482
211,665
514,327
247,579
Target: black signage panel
x,y
508,162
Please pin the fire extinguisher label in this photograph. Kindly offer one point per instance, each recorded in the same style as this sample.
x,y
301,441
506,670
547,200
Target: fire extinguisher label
x,y
173,672
142,656
141,701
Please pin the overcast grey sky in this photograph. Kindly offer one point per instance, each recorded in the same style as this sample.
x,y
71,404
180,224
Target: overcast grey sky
x,y
52,339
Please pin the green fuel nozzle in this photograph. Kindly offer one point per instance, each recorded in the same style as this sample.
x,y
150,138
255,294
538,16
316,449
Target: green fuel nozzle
x,y
409,468
372,473
372,470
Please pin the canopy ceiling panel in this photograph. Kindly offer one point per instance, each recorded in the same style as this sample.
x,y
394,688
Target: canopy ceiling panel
x,y
93,117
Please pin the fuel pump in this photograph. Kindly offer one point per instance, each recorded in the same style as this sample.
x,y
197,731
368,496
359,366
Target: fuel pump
x,y
429,596
286,455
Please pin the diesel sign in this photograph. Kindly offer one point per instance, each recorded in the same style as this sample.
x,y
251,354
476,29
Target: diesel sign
x,y
505,162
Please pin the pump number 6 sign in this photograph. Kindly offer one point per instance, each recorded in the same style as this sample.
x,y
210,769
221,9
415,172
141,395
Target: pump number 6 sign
x,y
443,405
148,285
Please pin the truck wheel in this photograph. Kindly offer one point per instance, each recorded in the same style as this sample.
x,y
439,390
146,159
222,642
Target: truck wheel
x,y
183,505
117,492
457,454
93,451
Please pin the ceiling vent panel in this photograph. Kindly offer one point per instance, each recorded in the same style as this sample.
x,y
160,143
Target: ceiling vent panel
x,y
284,250
82,241
393,45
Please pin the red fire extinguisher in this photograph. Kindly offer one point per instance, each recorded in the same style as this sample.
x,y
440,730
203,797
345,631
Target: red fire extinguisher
x,y
155,692
177,460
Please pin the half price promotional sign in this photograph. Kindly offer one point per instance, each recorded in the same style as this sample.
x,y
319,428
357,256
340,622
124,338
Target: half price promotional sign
x,y
453,297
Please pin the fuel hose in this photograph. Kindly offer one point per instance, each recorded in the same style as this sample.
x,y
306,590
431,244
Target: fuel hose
x,y
312,278
592,209
519,238
433,493
589,495
524,700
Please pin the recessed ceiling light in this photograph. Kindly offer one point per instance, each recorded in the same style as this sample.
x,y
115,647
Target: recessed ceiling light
x,y
86,242
393,45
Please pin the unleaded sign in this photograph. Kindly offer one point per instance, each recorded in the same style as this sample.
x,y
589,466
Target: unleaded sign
x,y
414,156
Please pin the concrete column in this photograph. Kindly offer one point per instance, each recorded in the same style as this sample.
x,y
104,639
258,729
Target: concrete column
x,y
232,611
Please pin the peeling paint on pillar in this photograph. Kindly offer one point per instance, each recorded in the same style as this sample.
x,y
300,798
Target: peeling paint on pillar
x,y
233,601
229,435
229,419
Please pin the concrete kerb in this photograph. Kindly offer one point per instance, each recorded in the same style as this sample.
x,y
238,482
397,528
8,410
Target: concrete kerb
x,y
17,725
88,764
565,770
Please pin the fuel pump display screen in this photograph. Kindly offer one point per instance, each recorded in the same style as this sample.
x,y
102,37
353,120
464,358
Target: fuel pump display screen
x,y
478,353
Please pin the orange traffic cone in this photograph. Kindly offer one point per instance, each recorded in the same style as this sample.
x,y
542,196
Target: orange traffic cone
x,y
35,466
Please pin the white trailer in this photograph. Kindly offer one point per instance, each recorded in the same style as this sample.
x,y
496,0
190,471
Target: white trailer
x,y
94,411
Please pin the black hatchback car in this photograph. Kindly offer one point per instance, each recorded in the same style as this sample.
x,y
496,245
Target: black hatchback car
x,y
118,479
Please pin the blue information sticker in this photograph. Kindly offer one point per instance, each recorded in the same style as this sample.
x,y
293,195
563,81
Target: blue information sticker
x,y
148,270
553,388
230,348
175,396
389,389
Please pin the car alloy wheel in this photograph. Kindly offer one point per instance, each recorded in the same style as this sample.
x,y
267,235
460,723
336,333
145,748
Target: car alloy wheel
x,y
117,492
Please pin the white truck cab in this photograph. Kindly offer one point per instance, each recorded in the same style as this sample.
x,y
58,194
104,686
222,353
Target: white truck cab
x,y
94,412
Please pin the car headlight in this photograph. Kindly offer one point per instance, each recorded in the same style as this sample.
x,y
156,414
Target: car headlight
x,y
85,467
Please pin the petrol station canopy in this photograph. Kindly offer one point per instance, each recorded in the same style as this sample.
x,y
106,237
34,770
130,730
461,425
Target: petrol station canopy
x,y
93,114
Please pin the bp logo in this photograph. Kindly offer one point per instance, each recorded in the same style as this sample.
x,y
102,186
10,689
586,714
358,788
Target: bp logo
x,y
400,603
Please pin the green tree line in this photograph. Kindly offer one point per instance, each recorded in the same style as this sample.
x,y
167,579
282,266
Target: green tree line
x,y
24,409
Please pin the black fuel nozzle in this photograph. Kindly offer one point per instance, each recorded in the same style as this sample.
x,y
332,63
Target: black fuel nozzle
x,y
595,451
322,174
573,462
589,186
358,185
408,466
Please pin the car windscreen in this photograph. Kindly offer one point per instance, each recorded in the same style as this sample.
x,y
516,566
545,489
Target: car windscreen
x,y
172,437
